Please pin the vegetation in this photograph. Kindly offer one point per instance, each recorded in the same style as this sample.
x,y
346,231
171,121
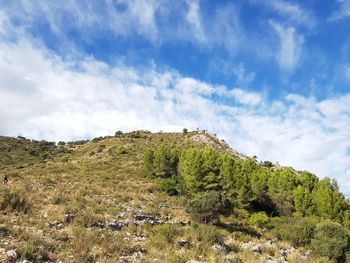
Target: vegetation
x,y
64,201
218,183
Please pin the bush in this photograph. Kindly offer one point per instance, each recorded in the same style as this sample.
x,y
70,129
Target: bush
x,y
206,207
164,235
330,240
299,231
260,219
185,131
13,200
174,185
118,133
122,150
206,234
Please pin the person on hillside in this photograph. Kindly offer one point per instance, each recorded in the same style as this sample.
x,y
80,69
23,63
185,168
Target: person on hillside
x,y
6,179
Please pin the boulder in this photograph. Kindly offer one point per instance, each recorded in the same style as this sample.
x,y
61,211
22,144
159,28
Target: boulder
x,y
11,255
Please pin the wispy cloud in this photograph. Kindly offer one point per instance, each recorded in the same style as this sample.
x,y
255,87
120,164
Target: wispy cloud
x,y
292,12
193,17
342,12
291,46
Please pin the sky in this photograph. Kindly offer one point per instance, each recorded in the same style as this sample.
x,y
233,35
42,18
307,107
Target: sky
x,y
270,77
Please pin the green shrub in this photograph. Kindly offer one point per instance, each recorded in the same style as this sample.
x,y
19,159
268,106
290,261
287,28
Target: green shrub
x,y
121,150
260,219
36,250
174,185
299,231
206,234
206,207
164,235
330,240
13,201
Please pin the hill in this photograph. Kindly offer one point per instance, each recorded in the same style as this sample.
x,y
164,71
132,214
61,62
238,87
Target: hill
x,y
162,197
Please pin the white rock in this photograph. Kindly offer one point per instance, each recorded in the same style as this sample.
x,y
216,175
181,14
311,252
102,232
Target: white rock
x,y
11,254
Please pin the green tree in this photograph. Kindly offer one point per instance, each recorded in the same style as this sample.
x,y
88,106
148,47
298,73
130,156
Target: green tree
x,y
282,183
162,161
207,206
259,185
328,201
200,169
303,201
235,181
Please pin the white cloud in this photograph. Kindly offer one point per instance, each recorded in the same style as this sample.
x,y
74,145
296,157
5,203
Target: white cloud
x,y
121,18
194,19
342,12
247,98
291,45
291,12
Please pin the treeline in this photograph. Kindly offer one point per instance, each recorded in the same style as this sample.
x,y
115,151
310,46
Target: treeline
x,y
217,183
247,184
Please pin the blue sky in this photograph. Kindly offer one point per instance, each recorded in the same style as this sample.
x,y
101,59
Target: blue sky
x,y
271,77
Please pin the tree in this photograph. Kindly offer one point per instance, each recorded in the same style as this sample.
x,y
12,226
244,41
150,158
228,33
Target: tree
x,y
281,185
200,169
206,207
328,201
163,161
259,185
235,181
303,201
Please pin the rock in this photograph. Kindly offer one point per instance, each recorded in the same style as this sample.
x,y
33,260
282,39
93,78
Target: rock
x,y
221,247
268,259
168,217
284,252
56,224
183,242
11,255
306,254
256,248
231,258
137,255
118,225
141,219
139,238
98,225
194,261
68,218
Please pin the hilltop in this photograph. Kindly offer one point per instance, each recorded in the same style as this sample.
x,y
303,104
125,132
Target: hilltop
x,y
137,197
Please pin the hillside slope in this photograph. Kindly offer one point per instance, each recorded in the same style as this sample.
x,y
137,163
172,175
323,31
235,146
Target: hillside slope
x,y
94,201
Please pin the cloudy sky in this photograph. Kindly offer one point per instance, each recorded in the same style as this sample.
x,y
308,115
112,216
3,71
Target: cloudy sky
x,y
271,77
